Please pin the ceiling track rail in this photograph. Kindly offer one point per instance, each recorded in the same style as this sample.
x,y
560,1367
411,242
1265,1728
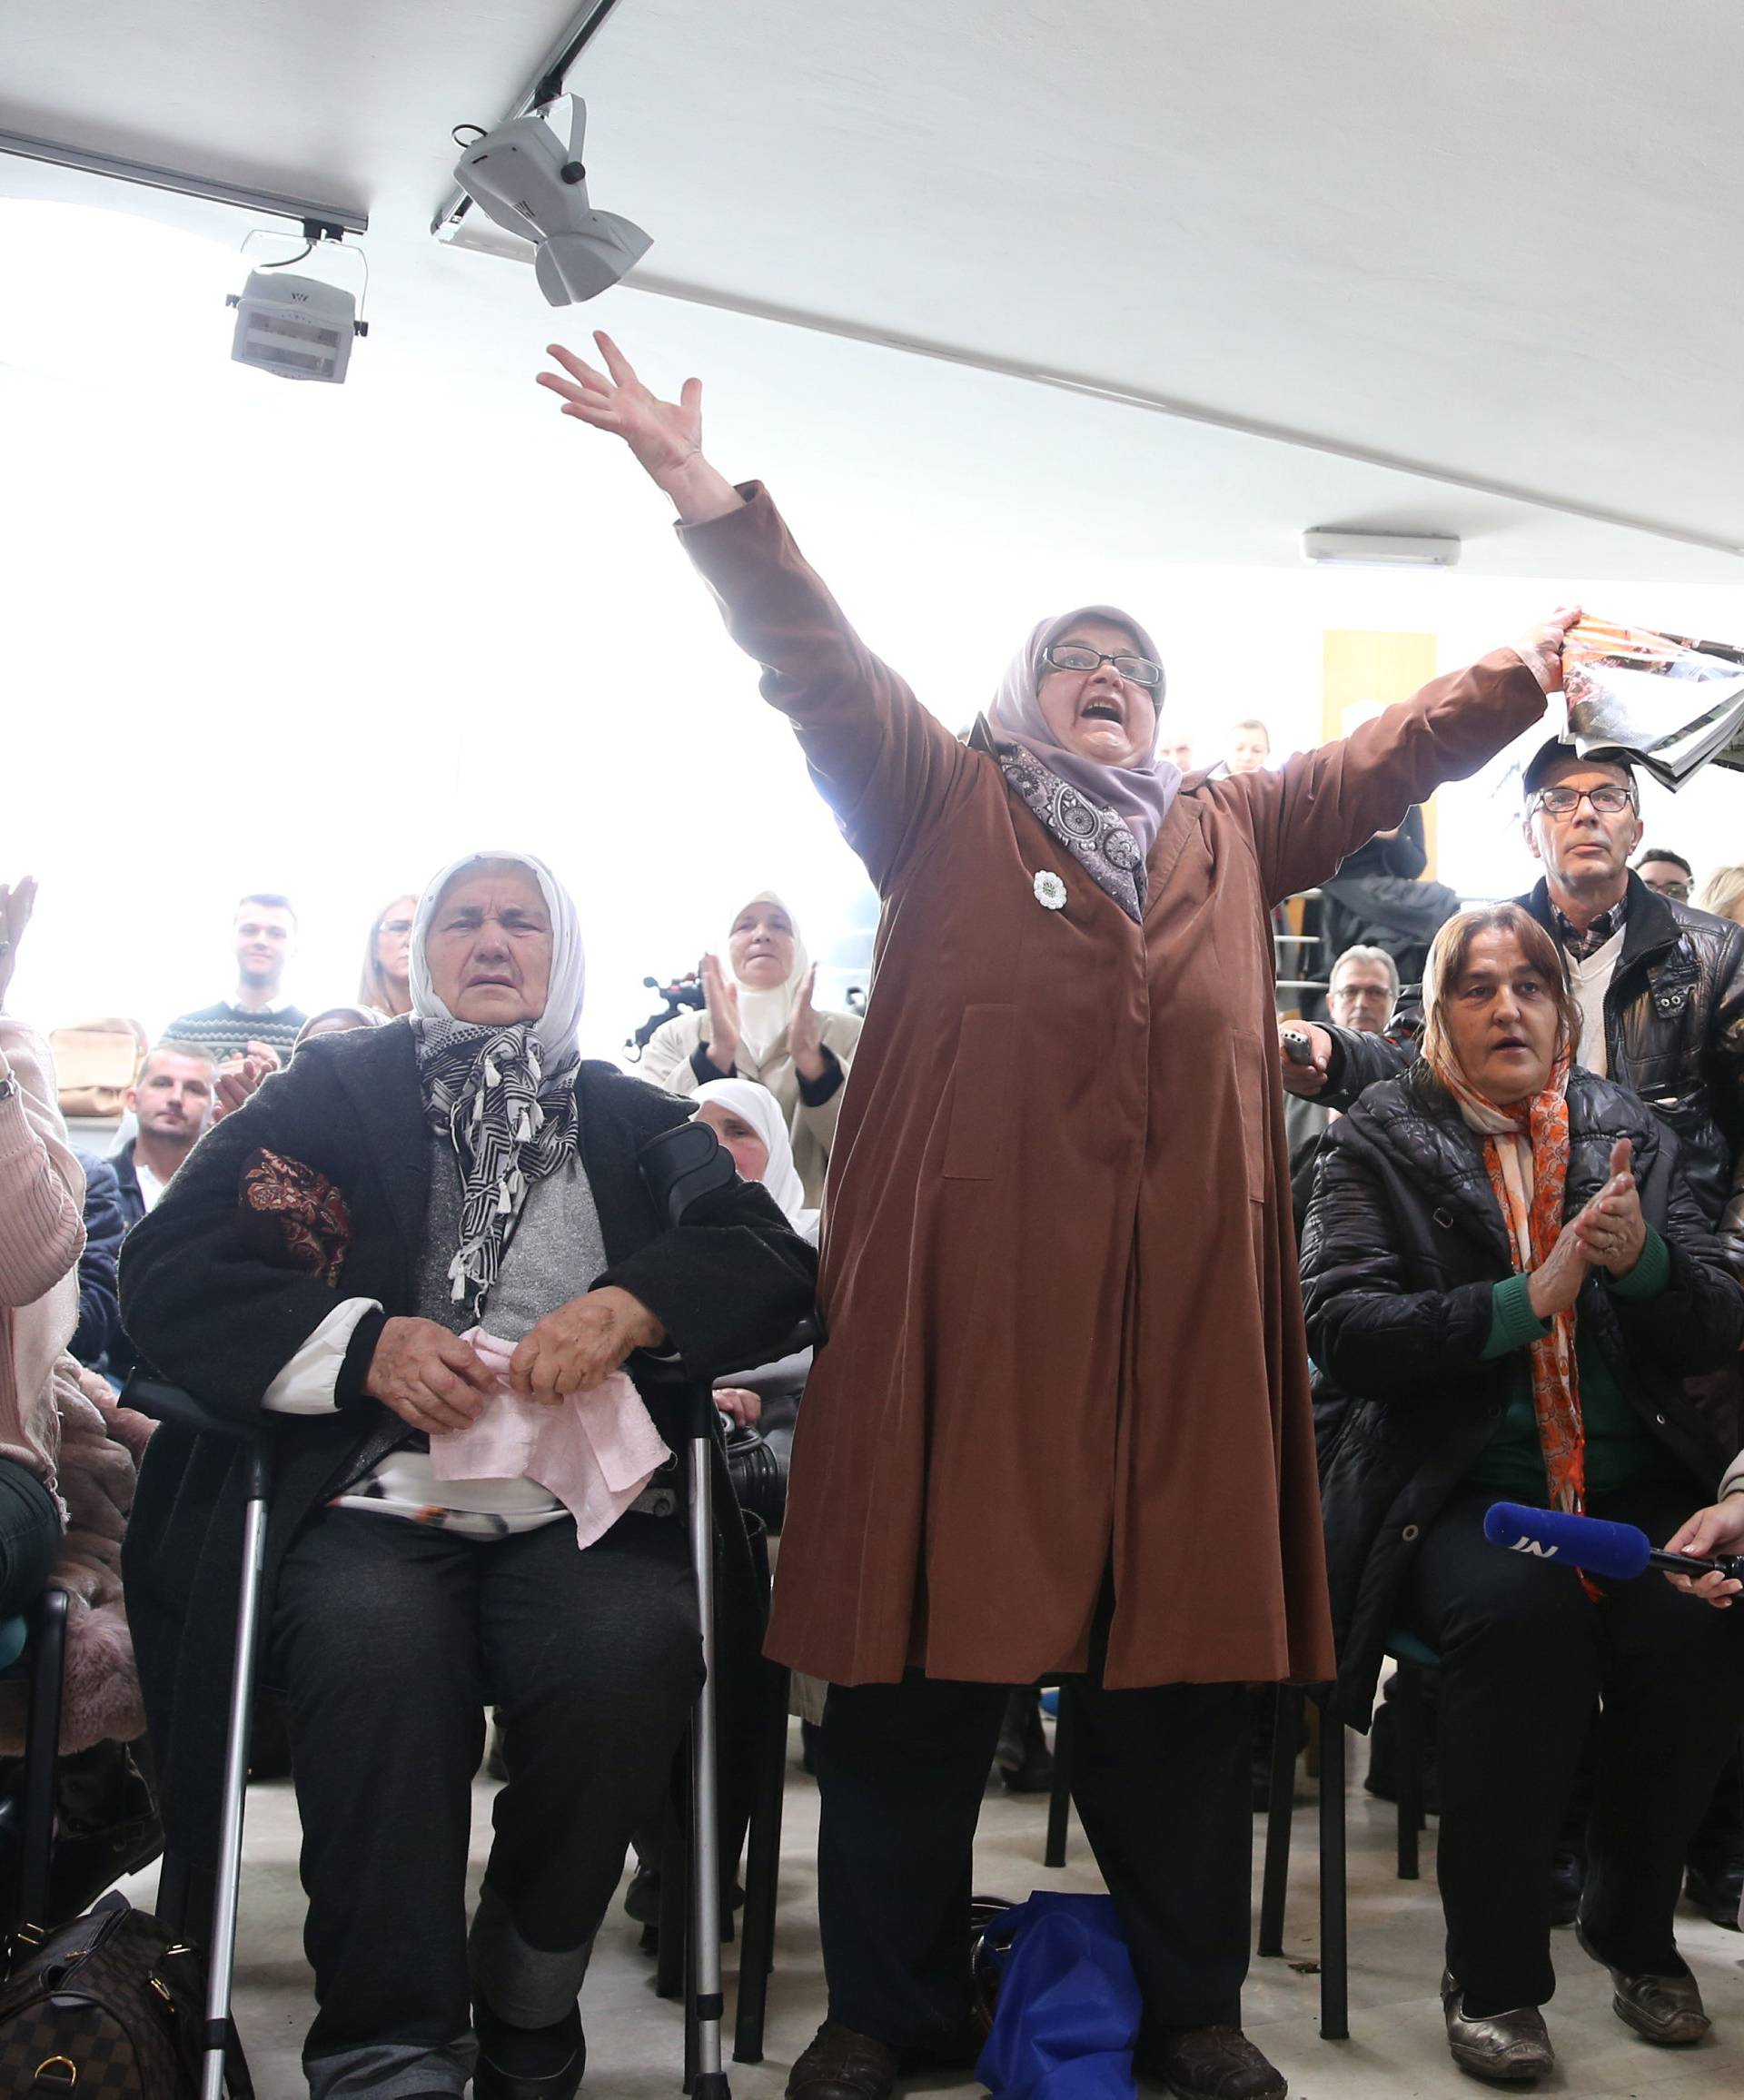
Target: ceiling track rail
x,y
543,85
262,203
1185,412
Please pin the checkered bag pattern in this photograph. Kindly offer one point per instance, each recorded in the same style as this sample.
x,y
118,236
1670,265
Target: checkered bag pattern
x,y
106,2008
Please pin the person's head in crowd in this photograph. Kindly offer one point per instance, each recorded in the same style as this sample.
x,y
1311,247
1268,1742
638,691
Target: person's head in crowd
x,y
1723,893
1179,754
386,981
747,1120
1583,820
171,1100
1362,990
1498,1011
484,944
266,938
1667,874
1250,746
340,1021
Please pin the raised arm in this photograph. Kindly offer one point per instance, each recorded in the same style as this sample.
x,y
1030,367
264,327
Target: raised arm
x,y
888,767
1323,804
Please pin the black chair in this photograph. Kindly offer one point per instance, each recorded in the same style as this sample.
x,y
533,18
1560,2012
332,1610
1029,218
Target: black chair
x,y
39,1644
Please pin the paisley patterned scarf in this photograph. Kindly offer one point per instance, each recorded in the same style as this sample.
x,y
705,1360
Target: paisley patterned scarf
x,y
1089,829
1526,1152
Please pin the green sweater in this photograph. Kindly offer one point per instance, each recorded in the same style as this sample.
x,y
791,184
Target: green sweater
x,y
1621,1449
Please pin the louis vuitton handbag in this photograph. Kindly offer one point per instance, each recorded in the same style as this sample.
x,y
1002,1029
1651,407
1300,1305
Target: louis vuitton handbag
x,y
107,2007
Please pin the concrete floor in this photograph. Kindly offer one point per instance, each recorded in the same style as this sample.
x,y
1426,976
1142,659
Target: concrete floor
x,y
1397,2052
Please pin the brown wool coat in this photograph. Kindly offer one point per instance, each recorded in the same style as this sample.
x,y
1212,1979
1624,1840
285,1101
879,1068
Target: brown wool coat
x,y
1059,1268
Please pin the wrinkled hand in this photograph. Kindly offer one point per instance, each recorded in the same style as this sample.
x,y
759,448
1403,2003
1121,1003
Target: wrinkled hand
x,y
739,1404
1555,1284
1612,1229
17,901
721,998
1542,650
1306,1080
664,436
428,1376
1718,1528
805,1031
580,1343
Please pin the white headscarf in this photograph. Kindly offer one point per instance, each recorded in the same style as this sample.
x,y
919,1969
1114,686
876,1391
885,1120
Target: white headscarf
x,y
555,1029
759,1107
1140,794
764,1013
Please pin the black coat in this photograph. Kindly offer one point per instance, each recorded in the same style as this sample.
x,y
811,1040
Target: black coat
x,y
1402,1245
211,1302
1674,1031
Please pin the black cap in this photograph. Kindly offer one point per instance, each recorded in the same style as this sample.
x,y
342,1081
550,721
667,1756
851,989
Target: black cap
x,y
1555,748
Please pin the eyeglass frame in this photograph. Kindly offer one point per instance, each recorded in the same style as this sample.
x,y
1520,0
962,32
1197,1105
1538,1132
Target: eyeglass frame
x,y
1104,657
1631,800
1678,892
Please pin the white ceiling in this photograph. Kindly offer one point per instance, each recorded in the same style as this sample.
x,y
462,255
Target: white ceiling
x,y
1491,243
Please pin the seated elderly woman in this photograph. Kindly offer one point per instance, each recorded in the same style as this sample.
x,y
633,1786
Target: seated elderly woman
x,y
398,1244
1506,1278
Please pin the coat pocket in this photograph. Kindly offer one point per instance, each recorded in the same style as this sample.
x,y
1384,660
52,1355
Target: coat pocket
x,y
1248,1055
983,1110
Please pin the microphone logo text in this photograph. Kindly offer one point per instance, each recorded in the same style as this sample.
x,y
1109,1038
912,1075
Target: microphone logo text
x,y
1539,1552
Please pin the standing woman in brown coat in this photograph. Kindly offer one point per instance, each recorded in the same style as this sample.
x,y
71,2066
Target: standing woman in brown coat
x,y
1062,1423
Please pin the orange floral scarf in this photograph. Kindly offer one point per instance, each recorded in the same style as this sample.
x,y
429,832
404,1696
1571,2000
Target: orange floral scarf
x,y
1526,1151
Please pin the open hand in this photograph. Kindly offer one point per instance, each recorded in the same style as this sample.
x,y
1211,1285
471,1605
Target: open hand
x,y
1542,650
1612,1229
664,436
1718,1528
1310,1079
805,1031
580,1343
239,1077
428,1376
17,901
720,995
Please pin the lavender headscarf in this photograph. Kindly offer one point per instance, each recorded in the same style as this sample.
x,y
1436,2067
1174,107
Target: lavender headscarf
x,y
1140,794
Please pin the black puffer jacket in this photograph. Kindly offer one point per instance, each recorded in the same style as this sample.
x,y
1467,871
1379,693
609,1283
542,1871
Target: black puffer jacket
x,y
1674,1032
1402,1244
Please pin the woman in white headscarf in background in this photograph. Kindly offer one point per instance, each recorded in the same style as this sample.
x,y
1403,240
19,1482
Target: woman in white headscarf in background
x,y
759,1024
411,1250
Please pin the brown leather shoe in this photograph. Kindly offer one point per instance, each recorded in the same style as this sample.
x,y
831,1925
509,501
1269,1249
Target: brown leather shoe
x,y
839,2065
1210,2063
1666,2010
1500,2046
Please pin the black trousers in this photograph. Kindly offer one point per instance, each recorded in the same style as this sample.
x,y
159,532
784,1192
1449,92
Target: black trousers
x,y
390,1639
30,1530
1162,1784
1527,1658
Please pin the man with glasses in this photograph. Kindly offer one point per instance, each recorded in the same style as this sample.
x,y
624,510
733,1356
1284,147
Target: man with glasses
x,y
1662,993
1667,874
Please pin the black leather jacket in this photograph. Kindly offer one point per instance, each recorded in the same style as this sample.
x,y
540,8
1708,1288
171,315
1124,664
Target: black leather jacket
x,y
1400,1253
1674,1033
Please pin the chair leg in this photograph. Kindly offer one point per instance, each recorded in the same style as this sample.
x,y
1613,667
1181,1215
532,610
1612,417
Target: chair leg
x,y
762,1872
42,1746
1286,1734
675,1902
1334,1949
1408,1722
1059,1801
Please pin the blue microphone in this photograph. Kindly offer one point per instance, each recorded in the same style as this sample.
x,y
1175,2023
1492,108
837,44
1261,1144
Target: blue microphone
x,y
1620,1552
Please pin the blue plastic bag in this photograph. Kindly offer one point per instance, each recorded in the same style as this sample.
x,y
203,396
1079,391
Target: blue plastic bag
x,y
1068,2007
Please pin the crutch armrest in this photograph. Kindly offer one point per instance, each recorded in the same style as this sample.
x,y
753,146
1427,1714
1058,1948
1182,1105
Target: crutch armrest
x,y
165,1402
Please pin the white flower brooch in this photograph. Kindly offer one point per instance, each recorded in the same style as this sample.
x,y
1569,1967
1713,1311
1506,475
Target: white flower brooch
x,y
1050,891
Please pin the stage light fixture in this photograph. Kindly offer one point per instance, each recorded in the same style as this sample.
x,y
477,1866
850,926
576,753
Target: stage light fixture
x,y
297,327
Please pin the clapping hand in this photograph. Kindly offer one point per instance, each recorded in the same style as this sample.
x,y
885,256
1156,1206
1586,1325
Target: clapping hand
x,y
17,901
1612,1229
240,1076
805,1031
721,998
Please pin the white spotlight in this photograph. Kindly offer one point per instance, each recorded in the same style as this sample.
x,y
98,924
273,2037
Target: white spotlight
x,y
522,176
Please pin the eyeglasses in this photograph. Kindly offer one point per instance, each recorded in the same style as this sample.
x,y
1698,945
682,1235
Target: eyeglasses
x,y
1605,801
1072,656
1677,891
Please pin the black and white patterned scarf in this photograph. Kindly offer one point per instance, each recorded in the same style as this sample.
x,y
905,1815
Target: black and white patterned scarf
x,y
1092,833
510,1123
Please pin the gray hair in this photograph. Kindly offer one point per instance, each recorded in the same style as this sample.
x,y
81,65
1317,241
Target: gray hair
x,y
1366,954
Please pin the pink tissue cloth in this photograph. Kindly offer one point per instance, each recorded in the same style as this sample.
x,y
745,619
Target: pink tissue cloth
x,y
595,1450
